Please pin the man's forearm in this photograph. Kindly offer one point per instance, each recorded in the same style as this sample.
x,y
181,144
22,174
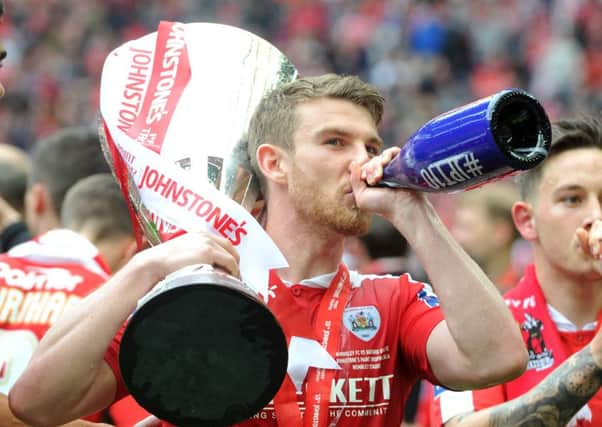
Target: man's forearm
x,y
556,399
466,294
68,362
553,402
7,419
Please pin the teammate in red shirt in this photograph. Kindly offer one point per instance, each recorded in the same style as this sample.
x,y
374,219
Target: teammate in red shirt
x,y
315,146
42,279
558,303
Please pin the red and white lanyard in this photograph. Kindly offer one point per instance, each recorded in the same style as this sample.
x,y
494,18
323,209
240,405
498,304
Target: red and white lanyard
x,y
318,382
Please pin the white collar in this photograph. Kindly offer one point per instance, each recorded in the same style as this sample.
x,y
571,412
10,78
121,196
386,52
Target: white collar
x,y
323,280
565,325
61,246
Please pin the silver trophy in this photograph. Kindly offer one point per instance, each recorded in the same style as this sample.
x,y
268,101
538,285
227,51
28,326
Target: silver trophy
x,y
202,348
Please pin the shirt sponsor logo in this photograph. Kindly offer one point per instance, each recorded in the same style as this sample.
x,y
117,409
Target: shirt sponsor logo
x,y
39,278
35,295
524,303
363,322
19,307
349,397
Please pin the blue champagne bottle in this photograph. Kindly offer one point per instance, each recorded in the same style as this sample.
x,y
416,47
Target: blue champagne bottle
x,y
471,145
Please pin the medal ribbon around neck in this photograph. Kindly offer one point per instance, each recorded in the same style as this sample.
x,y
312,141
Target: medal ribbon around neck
x,y
318,383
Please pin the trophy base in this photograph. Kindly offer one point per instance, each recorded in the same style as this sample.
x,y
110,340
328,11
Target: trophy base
x,y
203,353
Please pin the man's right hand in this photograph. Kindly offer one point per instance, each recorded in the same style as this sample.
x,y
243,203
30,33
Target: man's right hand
x,y
189,249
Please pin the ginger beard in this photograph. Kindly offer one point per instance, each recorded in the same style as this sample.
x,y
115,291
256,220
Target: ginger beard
x,y
312,202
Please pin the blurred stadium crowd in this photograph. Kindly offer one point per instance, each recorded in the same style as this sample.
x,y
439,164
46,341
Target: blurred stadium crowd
x,y
426,56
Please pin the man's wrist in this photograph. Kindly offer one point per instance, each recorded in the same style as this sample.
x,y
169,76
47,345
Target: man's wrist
x,y
419,224
146,268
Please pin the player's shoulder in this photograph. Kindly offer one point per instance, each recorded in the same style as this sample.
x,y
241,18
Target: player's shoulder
x,y
362,279
365,280
7,259
387,284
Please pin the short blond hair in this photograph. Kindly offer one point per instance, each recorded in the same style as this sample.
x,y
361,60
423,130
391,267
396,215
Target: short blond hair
x,y
274,120
96,204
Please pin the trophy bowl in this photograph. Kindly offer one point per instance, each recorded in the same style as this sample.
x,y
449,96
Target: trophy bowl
x,y
201,348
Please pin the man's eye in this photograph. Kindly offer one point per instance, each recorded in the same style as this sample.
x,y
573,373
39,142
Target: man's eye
x,y
372,149
334,141
571,199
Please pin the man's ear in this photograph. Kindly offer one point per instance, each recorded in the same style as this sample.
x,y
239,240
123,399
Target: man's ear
x,y
522,214
273,163
39,198
38,203
40,213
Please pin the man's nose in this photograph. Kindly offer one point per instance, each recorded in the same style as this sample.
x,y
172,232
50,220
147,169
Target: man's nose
x,y
595,212
597,208
361,154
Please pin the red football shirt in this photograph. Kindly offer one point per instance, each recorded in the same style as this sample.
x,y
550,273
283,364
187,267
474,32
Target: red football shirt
x,y
39,281
549,337
386,325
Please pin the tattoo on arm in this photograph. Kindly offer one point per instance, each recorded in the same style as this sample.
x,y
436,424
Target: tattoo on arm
x,y
555,400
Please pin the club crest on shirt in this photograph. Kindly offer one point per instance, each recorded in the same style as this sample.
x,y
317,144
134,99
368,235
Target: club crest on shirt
x,y
539,355
363,322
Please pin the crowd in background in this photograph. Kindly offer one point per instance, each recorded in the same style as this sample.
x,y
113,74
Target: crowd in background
x,y
426,56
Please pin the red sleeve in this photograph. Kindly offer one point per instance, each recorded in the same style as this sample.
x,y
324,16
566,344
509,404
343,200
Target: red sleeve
x,y
425,401
112,359
96,417
418,319
127,412
488,397
445,404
